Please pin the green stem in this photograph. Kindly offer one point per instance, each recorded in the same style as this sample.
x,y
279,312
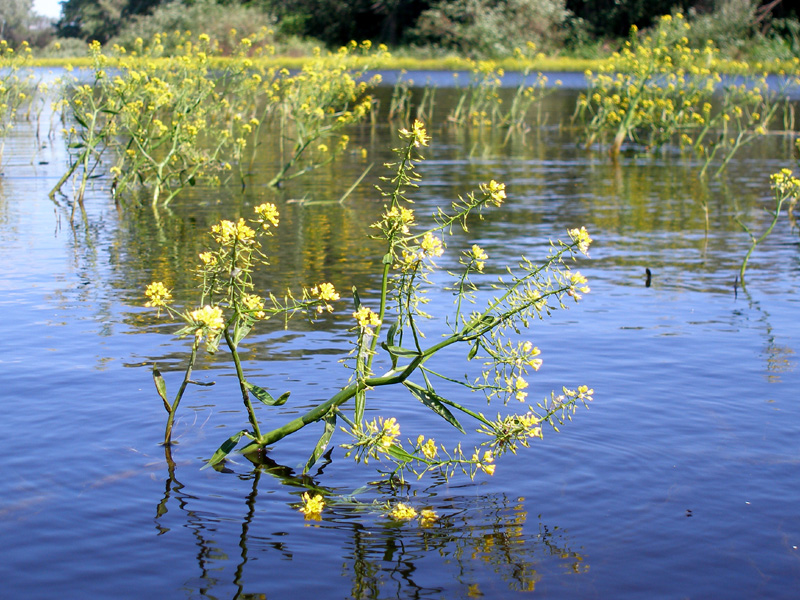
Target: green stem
x,y
174,408
243,385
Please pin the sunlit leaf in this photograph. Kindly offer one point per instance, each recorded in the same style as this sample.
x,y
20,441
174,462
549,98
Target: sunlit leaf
x,y
161,387
435,402
324,440
264,396
224,449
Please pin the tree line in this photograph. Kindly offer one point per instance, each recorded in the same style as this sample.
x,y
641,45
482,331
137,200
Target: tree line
x,y
471,27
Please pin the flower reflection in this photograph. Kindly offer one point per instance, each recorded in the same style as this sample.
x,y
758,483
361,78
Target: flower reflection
x,y
389,542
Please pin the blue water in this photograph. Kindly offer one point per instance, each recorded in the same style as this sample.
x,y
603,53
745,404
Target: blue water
x,y
681,481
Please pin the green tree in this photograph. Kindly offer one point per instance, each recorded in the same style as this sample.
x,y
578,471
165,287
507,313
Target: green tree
x,y
99,19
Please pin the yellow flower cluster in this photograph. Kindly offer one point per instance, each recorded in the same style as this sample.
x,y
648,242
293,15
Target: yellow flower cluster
x,y
428,448
417,133
485,464
158,295
581,236
366,318
226,233
312,506
496,192
386,431
267,215
254,304
577,285
326,293
208,318
477,257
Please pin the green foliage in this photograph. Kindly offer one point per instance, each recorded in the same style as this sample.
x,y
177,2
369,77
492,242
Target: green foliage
x,y
336,23
492,28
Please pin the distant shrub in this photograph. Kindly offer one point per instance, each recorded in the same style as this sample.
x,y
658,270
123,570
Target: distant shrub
x,y
202,16
493,28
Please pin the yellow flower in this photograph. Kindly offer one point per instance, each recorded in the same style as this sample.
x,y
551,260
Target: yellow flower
x,y
226,232
519,385
417,134
312,506
254,304
366,318
325,291
268,214
402,512
158,295
431,245
387,431
496,191
428,448
209,258
208,317
478,255
581,236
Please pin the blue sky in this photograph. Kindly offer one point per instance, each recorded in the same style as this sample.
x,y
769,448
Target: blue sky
x,y
48,8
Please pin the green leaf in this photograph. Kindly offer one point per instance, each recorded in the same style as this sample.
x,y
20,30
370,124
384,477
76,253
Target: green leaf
x,y
472,352
265,397
390,335
398,453
387,259
356,298
324,440
398,351
240,332
224,449
435,402
161,387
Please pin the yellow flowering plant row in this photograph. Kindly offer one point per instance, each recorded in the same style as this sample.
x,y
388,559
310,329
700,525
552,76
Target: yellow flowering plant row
x,y
389,329
480,105
15,88
170,121
657,90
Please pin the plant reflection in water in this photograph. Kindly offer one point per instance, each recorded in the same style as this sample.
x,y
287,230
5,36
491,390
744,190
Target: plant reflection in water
x,y
382,557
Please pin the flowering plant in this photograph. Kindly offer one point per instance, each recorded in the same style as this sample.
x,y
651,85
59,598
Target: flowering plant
x,y
390,327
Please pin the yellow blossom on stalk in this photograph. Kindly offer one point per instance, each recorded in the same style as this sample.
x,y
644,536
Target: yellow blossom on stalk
x,y
208,317
582,237
366,318
531,353
209,258
325,291
268,214
485,464
312,506
577,284
519,385
429,449
402,512
431,245
417,133
158,295
254,304
226,232
496,191
387,431
479,256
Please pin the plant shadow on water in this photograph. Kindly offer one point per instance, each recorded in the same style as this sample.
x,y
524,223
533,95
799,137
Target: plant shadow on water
x,y
476,543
